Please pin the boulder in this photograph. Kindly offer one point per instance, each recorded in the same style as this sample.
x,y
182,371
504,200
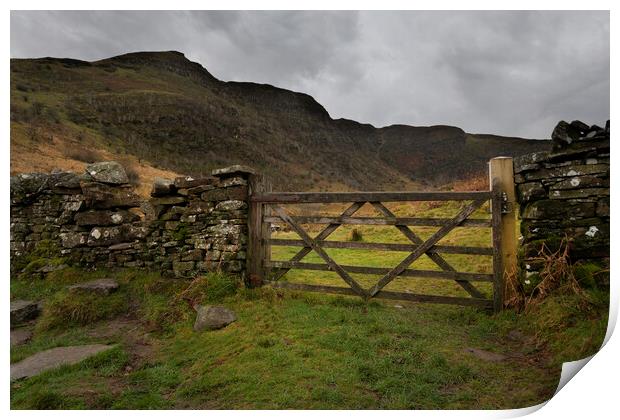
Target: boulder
x,y
557,209
568,171
524,162
105,236
231,205
65,182
121,247
213,317
162,187
108,173
23,311
530,191
190,182
223,194
73,239
232,181
585,181
233,171
578,193
54,358
167,201
111,235
52,267
101,196
100,286
105,217
564,134
25,187
581,126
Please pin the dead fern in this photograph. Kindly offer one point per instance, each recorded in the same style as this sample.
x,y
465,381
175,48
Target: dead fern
x,y
556,274
514,293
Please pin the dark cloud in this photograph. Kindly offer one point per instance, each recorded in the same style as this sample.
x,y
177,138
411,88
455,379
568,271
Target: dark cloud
x,y
512,73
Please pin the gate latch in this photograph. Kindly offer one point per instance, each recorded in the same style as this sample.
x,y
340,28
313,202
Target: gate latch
x,y
507,207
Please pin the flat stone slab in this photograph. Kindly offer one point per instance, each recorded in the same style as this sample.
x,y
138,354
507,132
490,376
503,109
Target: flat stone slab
x,y
232,170
101,286
53,358
486,355
23,311
108,172
213,317
20,336
50,268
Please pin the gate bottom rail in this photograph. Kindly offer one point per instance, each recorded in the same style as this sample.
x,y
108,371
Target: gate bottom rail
x,y
385,294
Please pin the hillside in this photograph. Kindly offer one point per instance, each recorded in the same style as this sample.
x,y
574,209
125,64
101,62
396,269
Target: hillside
x,y
163,114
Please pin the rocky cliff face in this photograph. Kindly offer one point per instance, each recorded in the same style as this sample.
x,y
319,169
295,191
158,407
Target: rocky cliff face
x,y
173,113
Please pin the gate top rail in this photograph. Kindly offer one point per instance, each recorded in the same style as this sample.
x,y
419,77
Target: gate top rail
x,y
345,197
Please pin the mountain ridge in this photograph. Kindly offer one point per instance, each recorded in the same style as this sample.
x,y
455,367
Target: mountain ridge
x,y
165,109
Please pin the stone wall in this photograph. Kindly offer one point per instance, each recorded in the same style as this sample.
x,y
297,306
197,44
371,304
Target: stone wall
x,y
95,219
564,193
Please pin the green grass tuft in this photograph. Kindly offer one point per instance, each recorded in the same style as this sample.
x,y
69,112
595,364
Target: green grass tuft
x,y
72,307
211,288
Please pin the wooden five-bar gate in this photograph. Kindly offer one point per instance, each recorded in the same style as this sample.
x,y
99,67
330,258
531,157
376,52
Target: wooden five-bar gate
x,y
267,208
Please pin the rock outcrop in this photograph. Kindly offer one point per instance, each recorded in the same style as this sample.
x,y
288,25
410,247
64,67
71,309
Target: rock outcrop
x,y
213,317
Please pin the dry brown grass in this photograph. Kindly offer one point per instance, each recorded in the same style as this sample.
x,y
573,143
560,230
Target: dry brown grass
x,y
556,276
477,182
83,155
27,156
556,273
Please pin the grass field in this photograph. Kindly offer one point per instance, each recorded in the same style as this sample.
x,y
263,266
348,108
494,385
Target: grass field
x,y
301,350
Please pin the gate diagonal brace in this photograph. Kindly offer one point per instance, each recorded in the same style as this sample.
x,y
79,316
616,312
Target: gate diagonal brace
x,y
328,230
425,246
355,286
435,257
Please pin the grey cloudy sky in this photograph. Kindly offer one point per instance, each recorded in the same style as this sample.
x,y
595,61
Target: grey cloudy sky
x,y
510,73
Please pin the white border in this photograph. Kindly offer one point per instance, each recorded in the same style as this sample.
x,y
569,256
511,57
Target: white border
x,y
593,393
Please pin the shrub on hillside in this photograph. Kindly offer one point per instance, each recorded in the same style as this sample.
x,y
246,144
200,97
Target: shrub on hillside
x,y
83,155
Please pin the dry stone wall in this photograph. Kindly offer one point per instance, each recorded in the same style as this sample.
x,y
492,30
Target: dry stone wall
x,y
564,194
95,219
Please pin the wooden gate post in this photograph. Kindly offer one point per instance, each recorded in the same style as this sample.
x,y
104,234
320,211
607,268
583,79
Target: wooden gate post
x,y
255,272
501,177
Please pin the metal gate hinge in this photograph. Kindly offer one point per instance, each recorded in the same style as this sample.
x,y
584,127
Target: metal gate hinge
x,y
507,206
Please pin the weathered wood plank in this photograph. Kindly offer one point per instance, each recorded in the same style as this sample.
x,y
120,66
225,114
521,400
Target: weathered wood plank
x,y
316,248
343,197
501,177
266,233
449,275
321,236
470,250
436,258
384,294
498,269
383,221
255,255
423,248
